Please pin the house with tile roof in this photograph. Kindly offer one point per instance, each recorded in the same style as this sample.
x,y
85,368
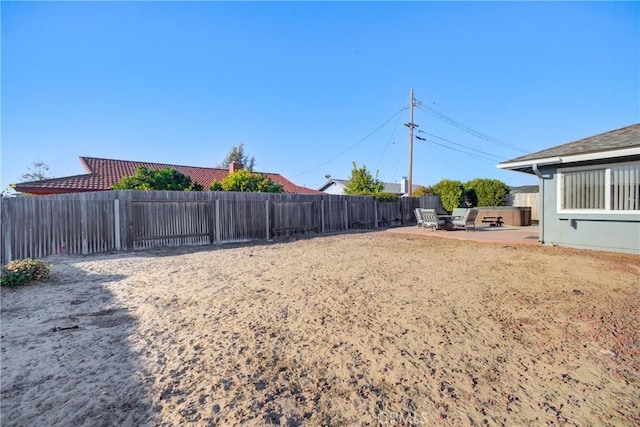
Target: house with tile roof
x,y
589,190
103,173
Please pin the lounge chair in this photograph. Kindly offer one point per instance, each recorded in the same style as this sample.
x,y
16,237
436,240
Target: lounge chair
x,y
430,219
463,218
416,211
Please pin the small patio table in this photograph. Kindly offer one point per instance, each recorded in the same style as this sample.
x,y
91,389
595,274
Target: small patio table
x,y
448,224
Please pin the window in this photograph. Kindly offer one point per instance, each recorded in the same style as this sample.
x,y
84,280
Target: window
x,y
625,188
584,189
600,189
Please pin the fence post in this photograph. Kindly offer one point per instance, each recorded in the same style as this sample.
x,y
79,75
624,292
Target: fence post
x,y
211,213
5,223
217,221
322,215
116,226
266,206
126,219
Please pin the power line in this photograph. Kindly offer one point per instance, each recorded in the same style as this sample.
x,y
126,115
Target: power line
x,y
455,149
466,128
467,165
460,145
354,145
393,133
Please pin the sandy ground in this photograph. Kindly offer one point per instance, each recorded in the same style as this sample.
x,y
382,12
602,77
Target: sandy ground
x,y
359,329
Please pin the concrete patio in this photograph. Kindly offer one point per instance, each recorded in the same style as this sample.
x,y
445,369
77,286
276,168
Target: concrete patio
x,y
527,235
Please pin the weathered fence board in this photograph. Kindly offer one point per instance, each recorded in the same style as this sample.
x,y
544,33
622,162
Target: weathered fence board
x,y
87,223
242,216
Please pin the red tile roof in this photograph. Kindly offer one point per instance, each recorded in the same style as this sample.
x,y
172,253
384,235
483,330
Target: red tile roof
x,y
103,173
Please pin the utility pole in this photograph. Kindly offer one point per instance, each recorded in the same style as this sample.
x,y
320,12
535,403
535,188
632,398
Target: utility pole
x,y
411,125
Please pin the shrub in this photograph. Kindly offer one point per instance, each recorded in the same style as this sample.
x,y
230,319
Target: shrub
x,y
490,192
422,191
450,192
385,197
160,179
19,272
245,180
362,183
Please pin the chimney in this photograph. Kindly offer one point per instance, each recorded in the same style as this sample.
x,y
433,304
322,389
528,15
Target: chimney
x,y
235,166
404,185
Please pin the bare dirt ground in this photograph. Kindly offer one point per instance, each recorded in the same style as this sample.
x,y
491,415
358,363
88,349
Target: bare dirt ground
x,y
359,329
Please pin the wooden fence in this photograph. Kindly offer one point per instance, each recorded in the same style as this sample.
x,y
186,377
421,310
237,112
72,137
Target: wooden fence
x,y
88,223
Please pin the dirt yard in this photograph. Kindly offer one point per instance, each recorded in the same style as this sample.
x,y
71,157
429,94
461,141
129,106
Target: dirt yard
x,y
358,329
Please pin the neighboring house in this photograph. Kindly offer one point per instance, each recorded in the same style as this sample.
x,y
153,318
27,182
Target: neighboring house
x,y
589,191
103,173
336,186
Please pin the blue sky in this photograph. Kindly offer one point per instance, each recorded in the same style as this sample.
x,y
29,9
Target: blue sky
x,y
304,85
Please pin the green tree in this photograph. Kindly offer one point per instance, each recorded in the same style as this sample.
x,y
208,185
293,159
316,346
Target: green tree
x,y
422,191
450,192
245,180
237,154
490,192
36,172
159,179
362,182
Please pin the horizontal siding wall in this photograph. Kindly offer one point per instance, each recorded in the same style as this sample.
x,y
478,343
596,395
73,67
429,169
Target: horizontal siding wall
x,y
88,223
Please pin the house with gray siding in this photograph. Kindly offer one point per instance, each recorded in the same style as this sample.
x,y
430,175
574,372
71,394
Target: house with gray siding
x,y
589,191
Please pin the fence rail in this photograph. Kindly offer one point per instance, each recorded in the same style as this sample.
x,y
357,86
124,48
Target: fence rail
x,y
89,223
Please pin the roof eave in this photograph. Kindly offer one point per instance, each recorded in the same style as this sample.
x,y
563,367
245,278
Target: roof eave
x,y
526,165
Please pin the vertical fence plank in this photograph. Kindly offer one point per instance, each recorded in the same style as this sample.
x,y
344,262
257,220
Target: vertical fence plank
x,y
218,231
266,209
375,213
116,223
83,225
6,231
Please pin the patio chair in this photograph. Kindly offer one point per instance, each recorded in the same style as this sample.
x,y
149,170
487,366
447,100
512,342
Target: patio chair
x,y
458,213
430,219
416,211
466,220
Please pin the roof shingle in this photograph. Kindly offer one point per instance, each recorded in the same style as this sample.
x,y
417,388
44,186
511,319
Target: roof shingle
x,y
617,139
103,173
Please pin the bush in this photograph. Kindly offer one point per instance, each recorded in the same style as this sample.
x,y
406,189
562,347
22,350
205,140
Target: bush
x,y
450,192
385,197
362,183
422,191
19,272
159,179
490,192
245,180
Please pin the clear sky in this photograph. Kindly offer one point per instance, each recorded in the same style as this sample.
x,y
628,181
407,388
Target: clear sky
x,y
304,85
